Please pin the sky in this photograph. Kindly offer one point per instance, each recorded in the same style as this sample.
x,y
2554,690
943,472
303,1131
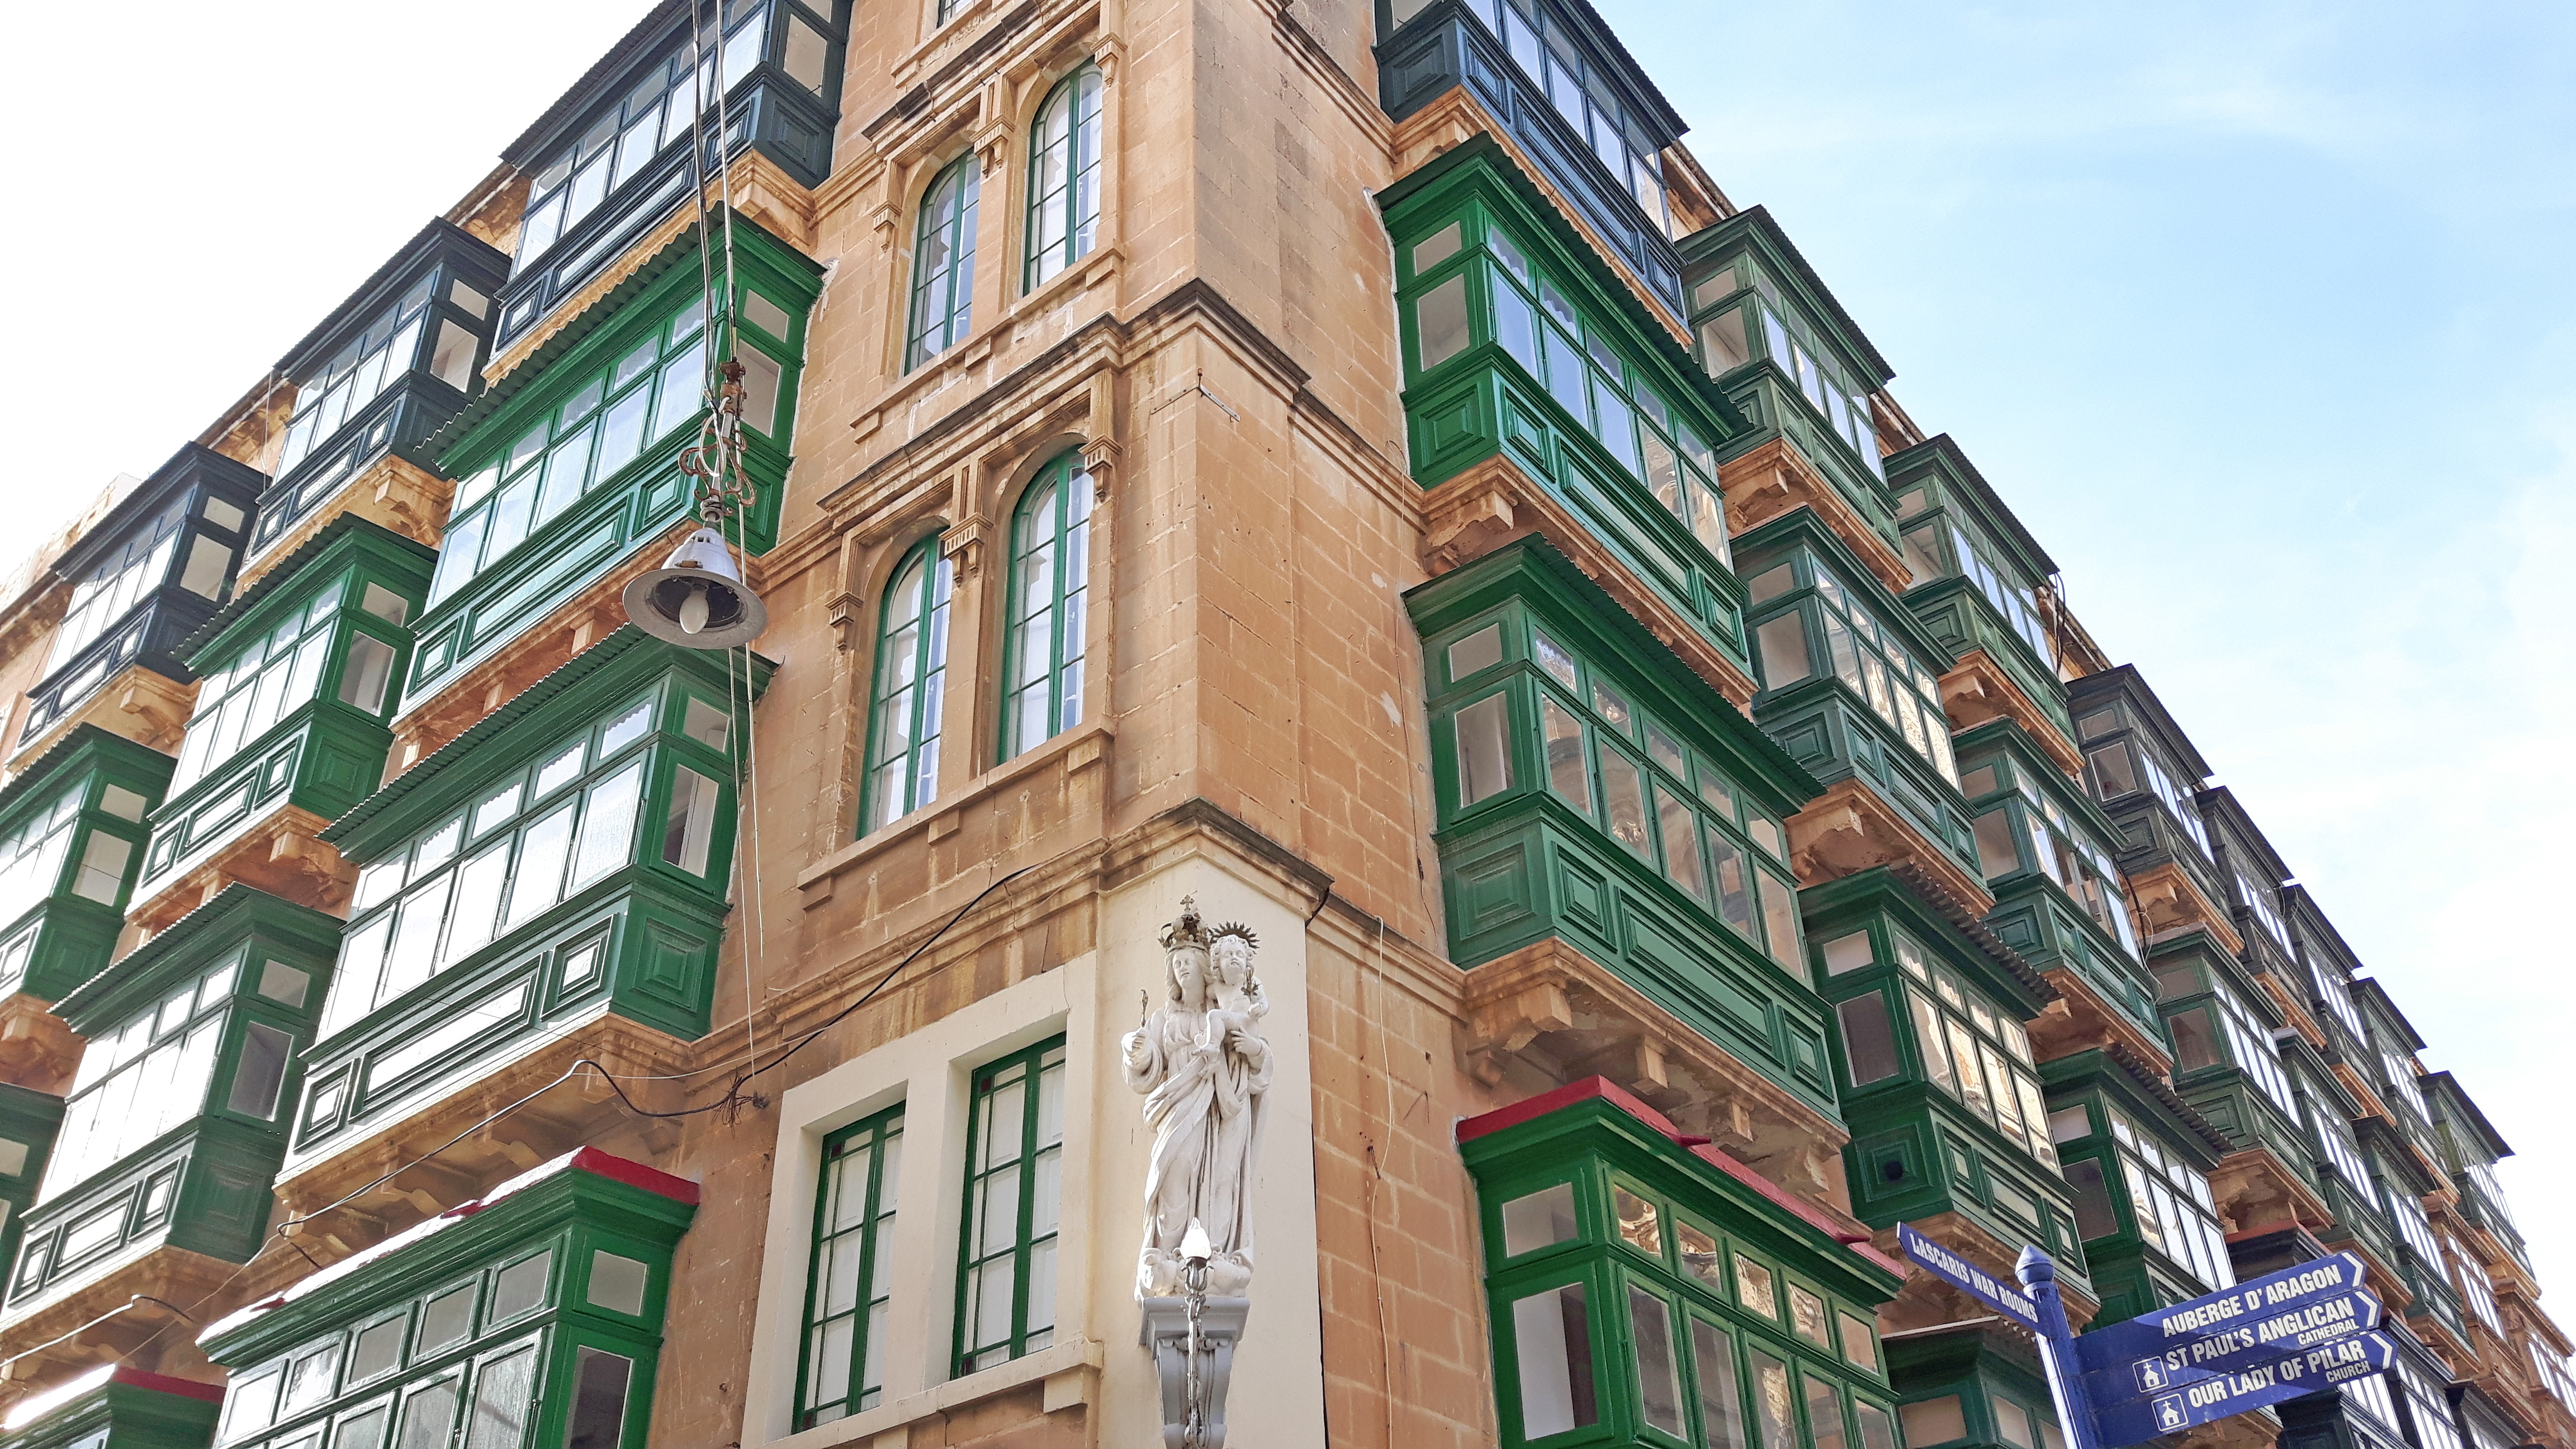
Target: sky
x,y
2262,318
2260,314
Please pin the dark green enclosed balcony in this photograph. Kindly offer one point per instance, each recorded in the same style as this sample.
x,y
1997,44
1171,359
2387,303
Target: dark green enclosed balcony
x,y
2471,1149
71,845
1937,1076
144,577
2042,849
1851,685
1645,1290
380,374
572,462
1520,344
1559,83
2227,1051
1792,360
566,857
299,678
1594,791
1977,573
2138,1160
2148,777
174,1128
530,1317
116,1406
29,1123
612,156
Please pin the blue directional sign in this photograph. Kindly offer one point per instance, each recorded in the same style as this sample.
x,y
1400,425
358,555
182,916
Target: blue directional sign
x,y
2242,1344
2003,1297
2222,1315
2218,1396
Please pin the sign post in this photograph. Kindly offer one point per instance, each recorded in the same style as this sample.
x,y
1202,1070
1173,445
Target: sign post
x,y
2300,1331
2057,1349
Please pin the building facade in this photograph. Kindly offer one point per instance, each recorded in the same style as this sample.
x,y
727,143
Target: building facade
x,y
1368,702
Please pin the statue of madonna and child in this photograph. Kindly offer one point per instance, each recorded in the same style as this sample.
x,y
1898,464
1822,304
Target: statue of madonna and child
x,y
1201,1062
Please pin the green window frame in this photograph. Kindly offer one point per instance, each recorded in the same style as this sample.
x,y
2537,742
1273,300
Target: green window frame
x,y
531,841
1738,318
1006,1258
1064,178
841,1366
1472,284
38,863
911,674
1842,635
1640,1320
1663,801
374,361
594,436
943,263
1043,649
305,657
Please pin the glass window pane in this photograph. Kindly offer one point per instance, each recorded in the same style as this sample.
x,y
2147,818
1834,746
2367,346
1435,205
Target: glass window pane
x,y
261,1071
1476,653
1775,1408
1440,322
1868,1040
1482,732
1552,1345
1824,1414
1659,1381
1623,791
1535,1220
598,1417
368,672
688,831
1933,1421
1721,1412
1783,645
1562,737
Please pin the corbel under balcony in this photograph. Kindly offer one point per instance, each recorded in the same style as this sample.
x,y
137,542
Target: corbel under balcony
x,y
2166,901
1977,689
393,491
1495,501
1775,479
37,1050
1550,1013
122,1314
2080,1019
1928,1302
449,1149
2257,1192
144,705
276,853
1850,829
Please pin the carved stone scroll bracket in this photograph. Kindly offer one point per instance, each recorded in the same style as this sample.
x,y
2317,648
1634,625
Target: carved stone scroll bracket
x,y
1165,1331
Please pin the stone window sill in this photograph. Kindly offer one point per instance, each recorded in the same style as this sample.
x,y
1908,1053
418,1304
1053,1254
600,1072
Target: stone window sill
x,y
1070,1371
1076,748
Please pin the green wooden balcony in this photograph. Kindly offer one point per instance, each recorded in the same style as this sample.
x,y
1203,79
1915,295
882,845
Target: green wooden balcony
x,y
567,856
2227,1065
1520,343
2045,850
1935,1070
532,1316
173,1129
2138,1164
1593,790
1850,683
1647,1291
1974,1386
571,462
299,673
71,846
116,1406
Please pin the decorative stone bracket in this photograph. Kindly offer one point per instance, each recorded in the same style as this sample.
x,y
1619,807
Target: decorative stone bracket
x,y
1193,1382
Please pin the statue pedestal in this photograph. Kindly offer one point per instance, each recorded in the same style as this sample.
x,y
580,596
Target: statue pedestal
x,y
1166,1331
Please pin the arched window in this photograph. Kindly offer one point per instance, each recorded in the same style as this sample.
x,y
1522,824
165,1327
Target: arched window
x,y
943,264
1050,574
1064,177
912,663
